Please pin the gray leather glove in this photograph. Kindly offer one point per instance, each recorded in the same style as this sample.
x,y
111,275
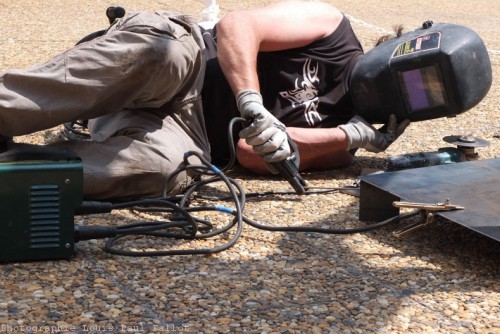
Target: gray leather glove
x,y
266,134
361,134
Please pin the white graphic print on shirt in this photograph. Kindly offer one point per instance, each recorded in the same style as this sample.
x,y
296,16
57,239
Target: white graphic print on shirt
x,y
306,92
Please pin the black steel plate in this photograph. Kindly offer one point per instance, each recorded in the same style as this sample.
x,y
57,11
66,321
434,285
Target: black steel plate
x,y
474,185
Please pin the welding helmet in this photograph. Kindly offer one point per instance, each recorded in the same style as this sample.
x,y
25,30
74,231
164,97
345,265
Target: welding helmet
x,y
439,70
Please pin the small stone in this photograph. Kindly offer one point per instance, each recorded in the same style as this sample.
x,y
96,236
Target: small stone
x,y
54,316
58,290
112,297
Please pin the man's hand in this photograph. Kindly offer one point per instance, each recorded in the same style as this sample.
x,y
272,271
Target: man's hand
x,y
362,134
266,134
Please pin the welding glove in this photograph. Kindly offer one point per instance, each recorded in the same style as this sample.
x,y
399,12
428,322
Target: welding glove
x,y
361,134
265,134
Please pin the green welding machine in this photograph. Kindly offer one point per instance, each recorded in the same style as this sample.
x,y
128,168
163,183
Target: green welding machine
x,y
40,188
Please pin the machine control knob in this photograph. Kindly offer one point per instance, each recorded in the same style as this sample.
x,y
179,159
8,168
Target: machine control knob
x,y
427,24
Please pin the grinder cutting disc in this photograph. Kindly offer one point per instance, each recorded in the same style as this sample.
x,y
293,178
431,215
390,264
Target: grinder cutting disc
x,y
466,141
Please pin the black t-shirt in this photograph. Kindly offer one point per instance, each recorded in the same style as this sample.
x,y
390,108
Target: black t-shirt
x,y
302,87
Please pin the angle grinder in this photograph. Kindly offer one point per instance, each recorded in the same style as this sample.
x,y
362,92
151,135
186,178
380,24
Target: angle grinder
x,y
465,151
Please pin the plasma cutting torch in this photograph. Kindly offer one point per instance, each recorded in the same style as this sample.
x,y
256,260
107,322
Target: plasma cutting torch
x,y
287,168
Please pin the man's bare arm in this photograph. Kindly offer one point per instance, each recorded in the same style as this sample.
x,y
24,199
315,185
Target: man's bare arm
x,y
319,148
289,24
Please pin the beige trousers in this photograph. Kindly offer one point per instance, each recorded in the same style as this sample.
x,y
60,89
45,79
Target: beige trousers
x,y
140,87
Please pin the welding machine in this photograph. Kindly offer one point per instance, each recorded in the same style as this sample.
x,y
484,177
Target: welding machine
x,y
40,188
438,70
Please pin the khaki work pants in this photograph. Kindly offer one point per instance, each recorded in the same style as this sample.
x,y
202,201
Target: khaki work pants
x,y
140,87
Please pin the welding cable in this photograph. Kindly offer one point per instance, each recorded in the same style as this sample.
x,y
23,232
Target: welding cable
x,y
231,141
310,191
253,223
312,229
191,224
99,232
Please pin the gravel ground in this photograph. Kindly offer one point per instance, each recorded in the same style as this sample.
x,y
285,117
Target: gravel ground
x,y
442,279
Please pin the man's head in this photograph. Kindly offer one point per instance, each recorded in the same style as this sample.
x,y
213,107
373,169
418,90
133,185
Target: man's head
x,y
436,71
